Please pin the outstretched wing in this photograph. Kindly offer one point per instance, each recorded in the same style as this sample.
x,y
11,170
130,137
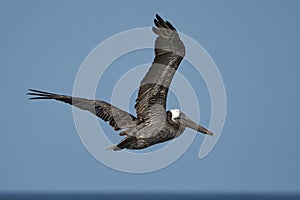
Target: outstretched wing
x,y
116,117
169,51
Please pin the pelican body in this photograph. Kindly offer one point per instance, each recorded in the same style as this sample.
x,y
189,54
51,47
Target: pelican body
x,y
153,124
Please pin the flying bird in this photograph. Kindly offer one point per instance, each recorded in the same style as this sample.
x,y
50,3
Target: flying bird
x,y
153,124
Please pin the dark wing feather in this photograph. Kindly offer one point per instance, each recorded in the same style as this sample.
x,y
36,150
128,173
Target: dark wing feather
x,y
169,51
116,117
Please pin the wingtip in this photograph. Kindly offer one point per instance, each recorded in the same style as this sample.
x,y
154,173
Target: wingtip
x,y
156,22
159,18
32,90
38,91
160,22
29,98
38,94
170,26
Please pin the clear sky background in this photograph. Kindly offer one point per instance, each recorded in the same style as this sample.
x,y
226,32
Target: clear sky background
x,y
255,45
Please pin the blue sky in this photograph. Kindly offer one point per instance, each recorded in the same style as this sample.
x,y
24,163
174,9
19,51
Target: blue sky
x,y
255,45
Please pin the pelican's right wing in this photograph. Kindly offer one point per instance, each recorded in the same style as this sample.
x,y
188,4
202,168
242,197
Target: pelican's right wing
x,y
117,118
153,91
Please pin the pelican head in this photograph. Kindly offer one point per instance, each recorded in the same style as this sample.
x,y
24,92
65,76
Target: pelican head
x,y
183,120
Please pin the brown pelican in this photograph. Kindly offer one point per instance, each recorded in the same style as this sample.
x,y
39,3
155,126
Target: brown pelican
x,y
153,123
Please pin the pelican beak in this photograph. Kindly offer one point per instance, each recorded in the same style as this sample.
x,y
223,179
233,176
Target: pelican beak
x,y
190,124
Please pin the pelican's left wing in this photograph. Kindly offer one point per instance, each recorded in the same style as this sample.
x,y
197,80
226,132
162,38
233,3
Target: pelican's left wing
x,y
117,118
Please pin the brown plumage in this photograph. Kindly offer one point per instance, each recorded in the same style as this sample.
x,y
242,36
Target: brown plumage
x,y
153,123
